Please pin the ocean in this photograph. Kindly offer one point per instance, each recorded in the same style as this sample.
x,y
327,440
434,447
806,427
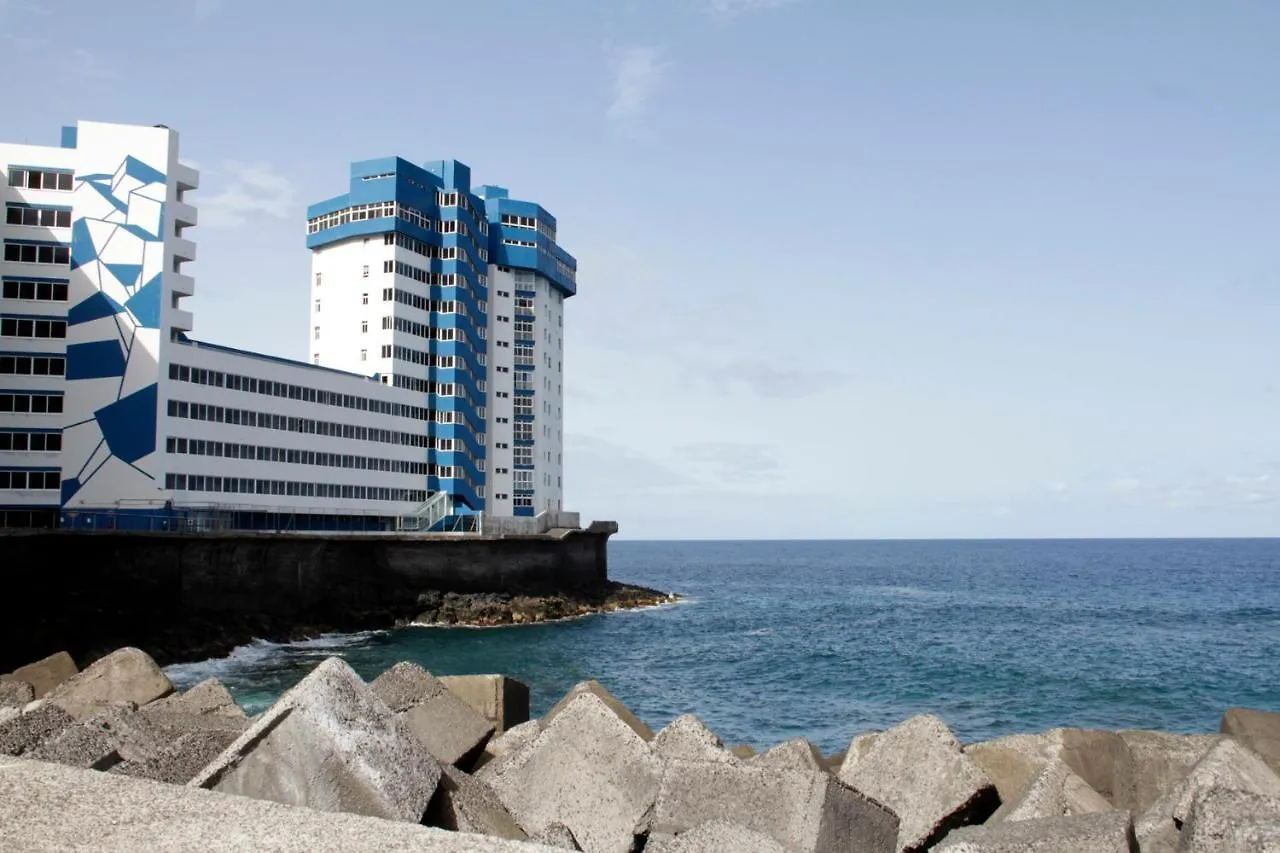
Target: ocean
x,y
828,639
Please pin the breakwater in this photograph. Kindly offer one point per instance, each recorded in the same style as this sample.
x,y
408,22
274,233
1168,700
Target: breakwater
x,y
191,596
113,758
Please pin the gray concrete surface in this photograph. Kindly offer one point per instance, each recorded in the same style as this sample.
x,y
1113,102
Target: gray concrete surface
x,y
45,674
1258,730
77,746
1152,763
503,701
716,836
329,743
15,694
452,730
587,769
1228,765
801,810
597,689
30,728
1011,762
466,804
208,697
49,808
1108,832
559,836
857,750
125,675
1055,792
1222,820
794,754
688,737
918,769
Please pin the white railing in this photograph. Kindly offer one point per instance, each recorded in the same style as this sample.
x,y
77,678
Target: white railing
x,y
429,513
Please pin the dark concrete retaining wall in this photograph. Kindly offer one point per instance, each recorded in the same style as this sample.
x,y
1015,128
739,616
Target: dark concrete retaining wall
x,y
192,596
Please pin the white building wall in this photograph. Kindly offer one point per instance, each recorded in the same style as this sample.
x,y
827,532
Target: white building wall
x,y
549,435
411,480
500,392
346,305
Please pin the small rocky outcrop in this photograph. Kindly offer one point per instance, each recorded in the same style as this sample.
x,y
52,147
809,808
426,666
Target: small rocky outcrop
x,y
491,609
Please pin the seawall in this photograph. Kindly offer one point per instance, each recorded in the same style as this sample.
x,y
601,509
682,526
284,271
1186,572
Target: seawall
x,y
183,596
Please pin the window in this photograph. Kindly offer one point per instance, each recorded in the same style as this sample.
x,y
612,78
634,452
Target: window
x,y
317,334
317,306
364,355
31,442
315,358
30,480
35,404
32,327
364,271
364,327
44,217
37,253
32,365
317,279
30,179
37,289
364,297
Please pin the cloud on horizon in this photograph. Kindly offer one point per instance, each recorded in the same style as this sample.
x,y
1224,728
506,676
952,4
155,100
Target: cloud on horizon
x,y
638,72
766,380
736,8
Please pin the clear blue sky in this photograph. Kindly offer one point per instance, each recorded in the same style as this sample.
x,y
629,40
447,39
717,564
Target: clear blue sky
x,y
847,269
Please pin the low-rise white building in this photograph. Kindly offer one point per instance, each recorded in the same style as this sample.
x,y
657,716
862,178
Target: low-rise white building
x,y
429,400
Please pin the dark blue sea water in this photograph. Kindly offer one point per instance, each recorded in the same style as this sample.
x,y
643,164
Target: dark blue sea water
x,y
828,639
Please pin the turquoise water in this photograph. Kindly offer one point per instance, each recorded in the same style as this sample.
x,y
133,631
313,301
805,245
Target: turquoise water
x,y
827,639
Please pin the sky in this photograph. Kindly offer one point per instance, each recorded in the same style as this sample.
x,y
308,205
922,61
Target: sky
x,y
873,269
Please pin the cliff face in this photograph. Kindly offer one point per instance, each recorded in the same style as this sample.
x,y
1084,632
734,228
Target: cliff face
x,y
190,596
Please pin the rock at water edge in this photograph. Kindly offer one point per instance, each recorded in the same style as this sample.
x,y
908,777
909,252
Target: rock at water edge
x,y
918,769
45,674
330,744
1258,730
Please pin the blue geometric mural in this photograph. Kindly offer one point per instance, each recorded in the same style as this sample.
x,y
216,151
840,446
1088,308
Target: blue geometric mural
x,y
117,258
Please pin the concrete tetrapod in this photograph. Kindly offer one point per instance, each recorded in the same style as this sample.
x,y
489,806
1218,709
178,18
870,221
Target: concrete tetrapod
x,y
1013,761
44,674
794,754
1222,820
808,811
716,836
1258,730
1107,832
125,675
1056,792
917,769
330,744
503,701
208,697
587,769
466,804
452,730
688,737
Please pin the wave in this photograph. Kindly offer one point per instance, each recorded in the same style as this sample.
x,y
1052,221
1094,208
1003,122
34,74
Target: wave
x,y
259,654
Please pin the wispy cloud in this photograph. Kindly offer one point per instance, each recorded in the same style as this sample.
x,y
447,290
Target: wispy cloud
x,y
779,382
730,462
246,191
638,71
735,8
1234,490
206,9
87,65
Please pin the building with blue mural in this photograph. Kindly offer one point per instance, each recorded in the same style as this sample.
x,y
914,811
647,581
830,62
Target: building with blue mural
x,y
433,397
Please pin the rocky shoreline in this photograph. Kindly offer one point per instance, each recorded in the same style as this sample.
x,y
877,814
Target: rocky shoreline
x,y
488,610
113,758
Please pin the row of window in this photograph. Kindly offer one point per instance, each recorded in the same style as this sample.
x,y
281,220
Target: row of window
x,y
37,253
34,403
249,486
529,244
433,279
41,290
31,327
45,179
268,388
292,456
428,359
44,217
269,420
442,253
519,221
438,306
355,213
31,442
32,365
422,330
31,480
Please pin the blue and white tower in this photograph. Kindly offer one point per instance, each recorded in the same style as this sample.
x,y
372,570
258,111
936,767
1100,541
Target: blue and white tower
x,y
456,294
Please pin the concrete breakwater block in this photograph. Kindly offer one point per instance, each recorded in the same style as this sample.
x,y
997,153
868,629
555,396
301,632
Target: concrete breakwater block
x,y
1258,730
595,688
1056,792
716,836
794,754
125,675
32,727
466,804
1108,832
688,737
208,697
48,807
1222,820
919,770
330,744
587,769
1152,763
800,810
559,836
452,730
1012,762
184,743
77,746
16,694
503,701
45,674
